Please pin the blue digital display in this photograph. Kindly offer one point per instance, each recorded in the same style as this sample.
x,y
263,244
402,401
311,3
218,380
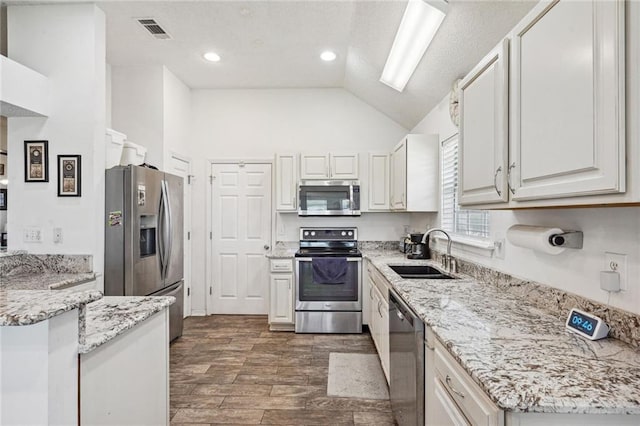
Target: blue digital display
x,y
583,323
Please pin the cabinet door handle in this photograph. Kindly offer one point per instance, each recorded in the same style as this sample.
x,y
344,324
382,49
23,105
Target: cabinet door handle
x,y
379,305
457,392
371,291
512,166
495,183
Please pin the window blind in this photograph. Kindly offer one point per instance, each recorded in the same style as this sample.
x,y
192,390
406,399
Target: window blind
x,y
473,223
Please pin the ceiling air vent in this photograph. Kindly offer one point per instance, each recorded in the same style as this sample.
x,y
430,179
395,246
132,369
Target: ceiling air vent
x,y
154,28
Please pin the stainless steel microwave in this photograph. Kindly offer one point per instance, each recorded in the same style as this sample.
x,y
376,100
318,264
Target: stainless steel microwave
x,y
329,198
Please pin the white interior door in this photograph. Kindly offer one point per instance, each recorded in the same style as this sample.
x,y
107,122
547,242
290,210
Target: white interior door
x,y
241,234
181,166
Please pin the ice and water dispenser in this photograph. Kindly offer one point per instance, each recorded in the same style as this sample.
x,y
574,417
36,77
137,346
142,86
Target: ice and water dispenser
x,y
148,225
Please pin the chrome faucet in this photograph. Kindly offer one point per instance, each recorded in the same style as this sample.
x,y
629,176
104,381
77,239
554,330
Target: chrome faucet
x,y
448,262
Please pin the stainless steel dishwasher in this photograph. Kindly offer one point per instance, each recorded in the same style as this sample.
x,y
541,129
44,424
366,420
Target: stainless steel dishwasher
x,y
406,371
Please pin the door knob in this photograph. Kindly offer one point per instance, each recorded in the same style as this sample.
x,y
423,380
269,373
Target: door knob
x,y
266,246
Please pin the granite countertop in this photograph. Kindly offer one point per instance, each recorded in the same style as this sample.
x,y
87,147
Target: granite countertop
x,y
45,281
111,316
520,355
27,307
282,253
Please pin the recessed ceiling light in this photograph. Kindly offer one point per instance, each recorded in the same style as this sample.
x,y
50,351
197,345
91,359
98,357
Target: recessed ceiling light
x,y
328,56
212,57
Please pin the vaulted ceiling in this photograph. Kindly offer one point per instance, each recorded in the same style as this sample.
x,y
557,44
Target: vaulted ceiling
x,y
276,44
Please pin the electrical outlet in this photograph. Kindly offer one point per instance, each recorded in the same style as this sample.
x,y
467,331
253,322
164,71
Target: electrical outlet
x,y
498,248
617,262
57,235
32,235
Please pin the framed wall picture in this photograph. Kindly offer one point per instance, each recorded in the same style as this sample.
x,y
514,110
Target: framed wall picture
x,y
69,176
36,161
3,199
3,164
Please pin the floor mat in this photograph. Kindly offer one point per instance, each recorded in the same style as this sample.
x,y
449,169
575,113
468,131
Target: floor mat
x,y
356,376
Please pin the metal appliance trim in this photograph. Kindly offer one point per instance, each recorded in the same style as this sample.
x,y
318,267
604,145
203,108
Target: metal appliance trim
x,y
395,302
328,182
329,321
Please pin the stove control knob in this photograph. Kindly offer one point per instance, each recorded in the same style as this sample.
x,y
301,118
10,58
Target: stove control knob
x,y
350,233
344,233
306,233
313,233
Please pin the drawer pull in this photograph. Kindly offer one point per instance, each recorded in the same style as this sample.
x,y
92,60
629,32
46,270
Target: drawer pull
x,y
457,392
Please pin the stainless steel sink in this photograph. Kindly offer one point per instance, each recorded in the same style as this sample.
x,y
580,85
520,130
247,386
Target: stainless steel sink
x,y
420,272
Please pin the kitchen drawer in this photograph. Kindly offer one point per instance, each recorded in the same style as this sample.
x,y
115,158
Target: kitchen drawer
x,y
473,402
281,265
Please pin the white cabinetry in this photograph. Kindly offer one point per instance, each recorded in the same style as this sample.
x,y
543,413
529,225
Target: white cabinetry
x,y
415,183
379,315
126,380
281,292
568,103
458,400
378,181
566,111
286,182
329,166
484,130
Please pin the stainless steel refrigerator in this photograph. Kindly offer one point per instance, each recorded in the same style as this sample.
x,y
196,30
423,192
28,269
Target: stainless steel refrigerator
x,y
143,237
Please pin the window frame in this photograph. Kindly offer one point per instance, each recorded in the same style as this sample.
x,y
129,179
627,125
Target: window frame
x,y
480,241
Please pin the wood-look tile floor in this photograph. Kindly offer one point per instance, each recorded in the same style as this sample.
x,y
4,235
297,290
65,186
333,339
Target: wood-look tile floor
x,y
230,369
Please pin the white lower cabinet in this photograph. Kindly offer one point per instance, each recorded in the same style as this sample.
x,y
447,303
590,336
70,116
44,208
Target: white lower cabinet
x,y
474,405
126,380
281,294
379,316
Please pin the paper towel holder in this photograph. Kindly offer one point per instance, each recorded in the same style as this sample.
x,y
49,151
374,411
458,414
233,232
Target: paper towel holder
x,y
567,239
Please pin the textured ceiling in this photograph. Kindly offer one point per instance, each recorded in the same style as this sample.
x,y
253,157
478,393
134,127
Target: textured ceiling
x,y
276,44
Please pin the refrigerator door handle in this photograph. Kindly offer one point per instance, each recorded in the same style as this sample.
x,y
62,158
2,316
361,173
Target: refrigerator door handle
x,y
166,220
161,245
169,229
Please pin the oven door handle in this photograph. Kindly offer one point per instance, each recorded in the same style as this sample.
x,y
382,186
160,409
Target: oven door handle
x,y
309,259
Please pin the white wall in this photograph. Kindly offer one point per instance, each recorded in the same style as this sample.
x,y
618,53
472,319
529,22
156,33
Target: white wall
x,y
176,115
259,123
577,271
137,108
67,44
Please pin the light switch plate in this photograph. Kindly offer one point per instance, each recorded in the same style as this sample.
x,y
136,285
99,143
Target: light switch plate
x,y
32,235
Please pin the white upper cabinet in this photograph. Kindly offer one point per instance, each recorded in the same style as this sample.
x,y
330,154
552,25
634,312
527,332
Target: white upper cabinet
x,y
398,196
567,101
286,182
378,181
415,183
566,140
329,166
314,166
483,149
343,166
